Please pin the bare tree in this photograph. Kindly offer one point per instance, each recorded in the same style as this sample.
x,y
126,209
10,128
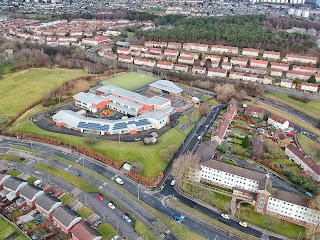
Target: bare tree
x,y
203,109
182,166
92,136
137,167
168,153
273,148
158,229
225,92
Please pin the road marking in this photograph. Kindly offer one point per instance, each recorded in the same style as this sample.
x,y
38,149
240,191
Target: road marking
x,y
100,187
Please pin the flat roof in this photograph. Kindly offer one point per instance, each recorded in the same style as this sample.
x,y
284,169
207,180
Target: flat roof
x,y
88,97
125,102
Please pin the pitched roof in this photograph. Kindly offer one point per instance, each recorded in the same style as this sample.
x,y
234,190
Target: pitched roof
x,y
290,197
46,201
65,215
308,161
88,97
83,231
13,183
239,171
277,119
167,86
251,108
29,191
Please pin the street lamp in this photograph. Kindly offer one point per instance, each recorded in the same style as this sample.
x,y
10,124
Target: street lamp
x,y
85,199
138,192
118,227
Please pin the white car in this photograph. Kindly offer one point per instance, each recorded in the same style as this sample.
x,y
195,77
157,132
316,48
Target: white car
x,y
119,180
116,237
37,182
226,216
173,182
111,205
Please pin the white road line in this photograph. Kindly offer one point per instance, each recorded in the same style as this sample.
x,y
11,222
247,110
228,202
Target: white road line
x,y
100,187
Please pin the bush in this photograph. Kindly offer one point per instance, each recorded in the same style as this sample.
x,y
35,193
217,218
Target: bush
x,y
299,98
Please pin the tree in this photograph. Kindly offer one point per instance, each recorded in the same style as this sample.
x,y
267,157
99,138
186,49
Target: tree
x,y
137,167
245,142
200,57
313,232
92,136
225,92
273,148
182,167
203,109
158,229
114,49
312,79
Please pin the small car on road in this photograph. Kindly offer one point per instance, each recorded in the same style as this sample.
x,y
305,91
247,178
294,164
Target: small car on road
x,y
225,216
99,197
173,182
111,205
116,237
126,218
97,223
243,224
119,180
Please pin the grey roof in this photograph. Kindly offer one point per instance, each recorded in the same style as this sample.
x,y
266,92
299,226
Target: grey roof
x,y
157,100
65,215
84,231
29,191
125,102
239,171
46,201
123,92
290,197
123,108
13,183
166,86
88,97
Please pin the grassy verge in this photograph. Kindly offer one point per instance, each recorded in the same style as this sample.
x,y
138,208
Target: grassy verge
x,y
288,116
208,99
309,147
271,223
7,228
311,108
106,231
66,199
32,179
85,212
25,149
212,221
14,173
10,157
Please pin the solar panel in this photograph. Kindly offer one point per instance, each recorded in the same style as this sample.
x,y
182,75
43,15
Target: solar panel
x,y
95,126
143,122
118,126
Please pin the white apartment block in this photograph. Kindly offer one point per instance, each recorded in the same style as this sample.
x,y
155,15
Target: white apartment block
x,y
252,52
280,66
271,55
174,45
299,58
276,72
199,70
278,122
189,54
310,87
311,70
181,67
298,75
258,63
195,47
144,62
286,83
122,50
165,65
239,61
216,72
236,75
224,49
155,44
186,60
125,59
213,58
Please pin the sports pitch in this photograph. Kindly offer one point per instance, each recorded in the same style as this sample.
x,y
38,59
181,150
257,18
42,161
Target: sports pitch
x,y
130,81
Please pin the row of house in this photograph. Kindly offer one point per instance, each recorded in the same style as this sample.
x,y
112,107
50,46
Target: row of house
x,y
12,188
256,188
305,86
197,47
143,113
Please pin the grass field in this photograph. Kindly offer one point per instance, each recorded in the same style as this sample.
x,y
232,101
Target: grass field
x,y
6,228
308,146
130,81
106,231
21,89
271,223
311,108
208,99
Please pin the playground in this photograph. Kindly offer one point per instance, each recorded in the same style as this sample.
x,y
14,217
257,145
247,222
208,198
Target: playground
x,y
110,114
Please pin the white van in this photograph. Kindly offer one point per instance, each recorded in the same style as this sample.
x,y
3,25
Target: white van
x,y
37,182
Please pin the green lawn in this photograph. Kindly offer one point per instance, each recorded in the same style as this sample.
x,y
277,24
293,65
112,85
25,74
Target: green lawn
x,y
25,149
85,212
290,165
21,89
271,223
14,173
308,146
106,231
7,228
208,99
120,152
8,68
32,179
311,108
10,157
130,81
66,199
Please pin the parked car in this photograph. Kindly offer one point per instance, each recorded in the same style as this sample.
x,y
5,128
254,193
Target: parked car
x,y
119,180
173,182
51,192
225,216
34,237
126,218
99,197
243,224
111,205
57,194
97,223
37,182
116,237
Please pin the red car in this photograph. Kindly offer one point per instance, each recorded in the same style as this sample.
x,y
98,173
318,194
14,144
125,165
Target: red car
x,y
57,194
99,197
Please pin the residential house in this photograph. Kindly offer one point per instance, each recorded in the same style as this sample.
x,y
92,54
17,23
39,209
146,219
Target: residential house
x,y
224,49
306,163
236,75
281,138
276,72
265,80
213,58
278,122
258,63
307,69
226,65
171,53
250,77
83,231
165,65
253,111
215,64
199,70
30,193
12,186
155,44
280,66
144,62
189,54
298,75
195,47
125,59
301,59
123,50
186,60
252,52
46,204
181,67
271,55
98,40
286,83
310,87
239,61
65,218
174,45
217,72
